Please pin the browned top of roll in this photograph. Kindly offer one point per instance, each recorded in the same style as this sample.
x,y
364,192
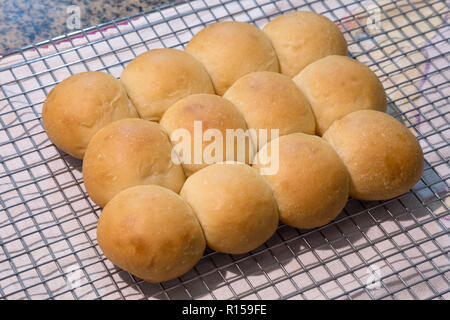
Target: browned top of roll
x,y
302,37
158,78
231,49
79,106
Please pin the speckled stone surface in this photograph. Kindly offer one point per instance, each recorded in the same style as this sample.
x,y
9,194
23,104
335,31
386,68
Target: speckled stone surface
x,y
24,22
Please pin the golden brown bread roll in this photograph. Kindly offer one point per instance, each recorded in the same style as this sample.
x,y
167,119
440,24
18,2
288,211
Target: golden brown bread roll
x,y
150,232
312,184
269,100
234,205
127,153
231,49
158,78
338,85
300,38
383,157
76,108
214,112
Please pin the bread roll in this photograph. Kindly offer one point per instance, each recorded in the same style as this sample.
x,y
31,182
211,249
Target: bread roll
x,y
76,108
231,49
300,38
214,112
383,157
338,85
234,205
269,100
150,232
127,153
312,184
158,78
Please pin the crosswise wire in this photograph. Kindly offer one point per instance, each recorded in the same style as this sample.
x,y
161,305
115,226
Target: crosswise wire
x,y
395,249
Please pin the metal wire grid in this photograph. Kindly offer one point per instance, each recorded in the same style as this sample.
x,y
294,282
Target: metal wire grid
x,y
47,222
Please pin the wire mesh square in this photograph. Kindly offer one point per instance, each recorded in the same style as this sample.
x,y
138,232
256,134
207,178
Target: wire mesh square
x,y
395,249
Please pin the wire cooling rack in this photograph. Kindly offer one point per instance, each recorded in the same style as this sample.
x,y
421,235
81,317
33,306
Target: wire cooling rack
x,y
396,249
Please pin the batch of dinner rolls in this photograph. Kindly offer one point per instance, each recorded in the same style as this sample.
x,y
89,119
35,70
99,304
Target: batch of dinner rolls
x,y
334,141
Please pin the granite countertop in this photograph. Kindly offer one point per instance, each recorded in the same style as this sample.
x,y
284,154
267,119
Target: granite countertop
x,y
25,22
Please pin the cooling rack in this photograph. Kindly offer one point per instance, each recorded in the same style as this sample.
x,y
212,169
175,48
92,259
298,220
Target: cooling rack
x,y
396,249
